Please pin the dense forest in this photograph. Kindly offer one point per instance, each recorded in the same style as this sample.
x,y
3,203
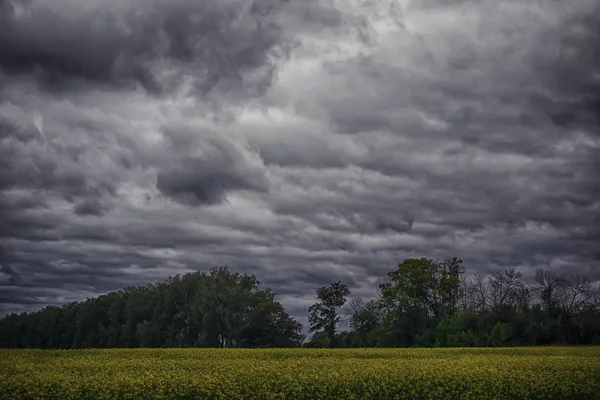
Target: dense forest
x,y
217,308
423,302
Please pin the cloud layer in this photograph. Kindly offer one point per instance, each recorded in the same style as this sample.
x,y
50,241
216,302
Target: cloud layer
x,y
303,141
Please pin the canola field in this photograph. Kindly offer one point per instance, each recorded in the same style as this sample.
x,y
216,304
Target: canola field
x,y
504,373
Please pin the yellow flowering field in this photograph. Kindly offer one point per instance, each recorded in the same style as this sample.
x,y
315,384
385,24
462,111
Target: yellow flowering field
x,y
499,373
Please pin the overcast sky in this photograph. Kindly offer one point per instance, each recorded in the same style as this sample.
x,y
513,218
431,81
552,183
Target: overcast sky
x,y
303,141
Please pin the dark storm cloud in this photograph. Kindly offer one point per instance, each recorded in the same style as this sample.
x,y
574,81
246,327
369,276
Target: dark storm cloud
x,y
205,178
573,74
503,119
296,140
9,274
28,161
57,49
65,45
90,207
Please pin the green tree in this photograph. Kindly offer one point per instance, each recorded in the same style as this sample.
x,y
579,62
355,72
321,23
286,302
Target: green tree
x,y
416,294
323,316
269,325
218,308
364,322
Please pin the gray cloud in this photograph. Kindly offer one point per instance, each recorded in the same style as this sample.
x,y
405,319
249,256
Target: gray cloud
x,y
213,167
303,141
216,44
90,207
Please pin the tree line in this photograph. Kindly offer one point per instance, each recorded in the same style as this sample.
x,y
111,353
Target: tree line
x,y
429,303
217,308
422,302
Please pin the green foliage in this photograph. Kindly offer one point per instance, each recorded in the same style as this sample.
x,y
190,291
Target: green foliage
x,y
217,308
320,340
422,303
323,316
416,294
428,303
498,335
424,284
454,332
426,338
364,322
